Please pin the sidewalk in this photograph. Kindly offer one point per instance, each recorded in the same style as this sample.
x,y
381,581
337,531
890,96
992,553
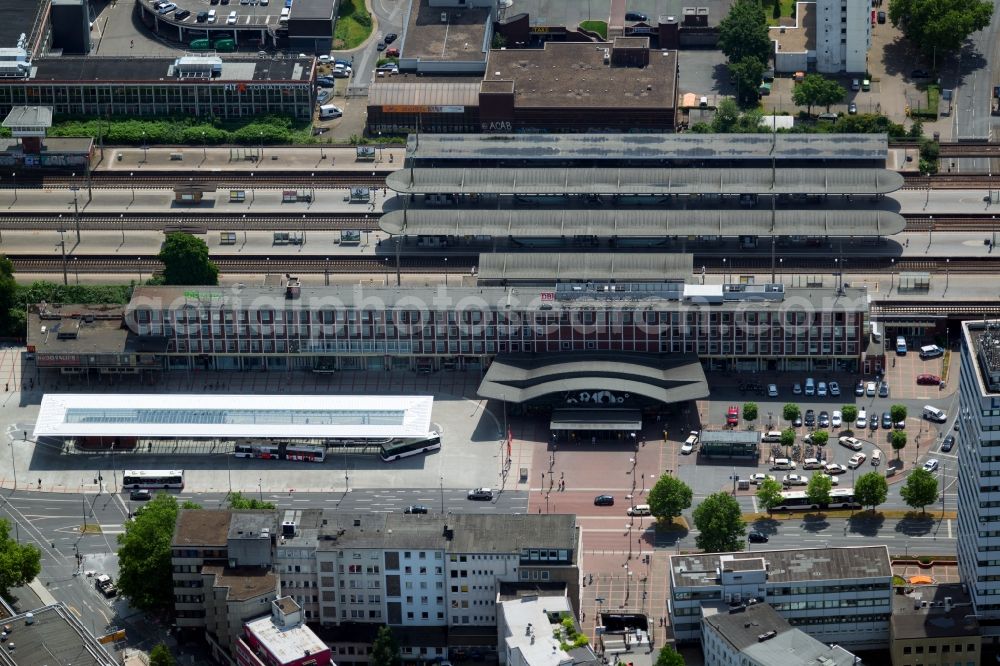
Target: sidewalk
x,y
247,158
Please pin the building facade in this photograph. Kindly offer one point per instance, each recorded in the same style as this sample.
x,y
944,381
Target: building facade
x,y
979,456
836,595
843,36
281,639
350,328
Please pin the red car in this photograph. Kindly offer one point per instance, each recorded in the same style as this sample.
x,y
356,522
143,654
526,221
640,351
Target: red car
x,y
733,415
392,53
930,380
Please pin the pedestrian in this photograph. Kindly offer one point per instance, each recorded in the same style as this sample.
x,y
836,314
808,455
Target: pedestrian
x,y
131,43
583,616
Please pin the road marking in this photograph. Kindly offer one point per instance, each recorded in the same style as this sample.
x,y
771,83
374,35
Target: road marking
x,y
949,528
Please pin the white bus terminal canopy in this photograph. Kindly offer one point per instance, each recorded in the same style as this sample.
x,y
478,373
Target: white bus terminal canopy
x,y
155,416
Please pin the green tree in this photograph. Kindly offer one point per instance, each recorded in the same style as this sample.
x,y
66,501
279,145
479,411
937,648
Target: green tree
x,y
750,411
788,437
769,494
188,504
720,524
871,489
19,564
743,33
185,261
818,490
669,657
898,441
791,411
897,413
747,74
938,28
820,437
669,497
144,570
10,317
160,656
817,90
920,489
385,650
849,413
727,114
240,501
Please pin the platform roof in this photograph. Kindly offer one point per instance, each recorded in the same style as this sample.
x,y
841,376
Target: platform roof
x,y
640,223
523,377
477,180
558,266
729,148
232,416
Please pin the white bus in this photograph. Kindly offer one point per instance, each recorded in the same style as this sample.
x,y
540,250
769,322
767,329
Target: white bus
x,y
404,448
153,478
797,500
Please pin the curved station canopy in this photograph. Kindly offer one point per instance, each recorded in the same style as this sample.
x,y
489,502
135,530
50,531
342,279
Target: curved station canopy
x,y
640,223
667,378
610,181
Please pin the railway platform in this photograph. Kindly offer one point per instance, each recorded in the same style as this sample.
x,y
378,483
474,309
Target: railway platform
x,y
246,158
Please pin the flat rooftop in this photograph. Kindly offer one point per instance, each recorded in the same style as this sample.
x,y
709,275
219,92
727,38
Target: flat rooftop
x,y
983,341
569,74
923,613
76,329
55,636
529,627
461,38
561,267
440,298
16,17
471,533
159,70
728,148
801,37
391,91
244,583
787,566
286,644
311,10
154,415
202,527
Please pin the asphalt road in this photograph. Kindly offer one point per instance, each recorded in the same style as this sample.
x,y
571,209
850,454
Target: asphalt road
x,y
973,119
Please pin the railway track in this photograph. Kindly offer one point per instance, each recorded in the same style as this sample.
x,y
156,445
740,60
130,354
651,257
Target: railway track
x,y
422,263
968,181
219,179
913,308
193,223
925,222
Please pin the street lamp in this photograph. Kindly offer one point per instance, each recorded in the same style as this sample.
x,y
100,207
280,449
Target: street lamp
x,y
131,180
76,210
947,263
446,271
139,264
76,268
145,148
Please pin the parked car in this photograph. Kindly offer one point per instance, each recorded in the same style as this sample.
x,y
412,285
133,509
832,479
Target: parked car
x,y
688,446
415,508
871,388
797,388
772,390
855,85
480,494
797,421
859,390
324,59
883,390
325,82
810,419
167,8
604,500
201,17
635,16
862,421
932,465
857,460
182,14
834,480
821,389
757,537
390,38
881,17
380,46
851,443
852,108
322,95
948,443
834,389
733,415
836,419
231,19
759,478
342,73
929,380
794,480
824,419
392,52
835,468
887,420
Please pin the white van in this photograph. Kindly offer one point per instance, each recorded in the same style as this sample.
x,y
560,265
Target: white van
x,y
783,464
812,463
211,16
638,510
810,386
932,413
931,351
771,437
284,15
328,111
876,458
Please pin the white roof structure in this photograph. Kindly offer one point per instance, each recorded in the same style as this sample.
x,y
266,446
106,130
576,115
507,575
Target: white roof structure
x,y
286,644
230,416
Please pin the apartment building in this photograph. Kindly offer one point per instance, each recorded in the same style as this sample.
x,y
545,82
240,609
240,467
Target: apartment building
x,y
836,595
530,632
281,639
934,625
978,419
755,635
222,570
843,36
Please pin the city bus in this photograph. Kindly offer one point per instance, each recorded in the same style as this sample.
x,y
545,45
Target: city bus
x,y
279,451
796,500
152,478
404,448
